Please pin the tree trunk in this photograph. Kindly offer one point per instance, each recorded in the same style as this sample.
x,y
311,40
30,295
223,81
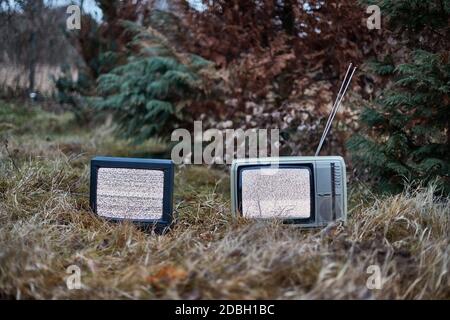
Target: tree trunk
x,y
32,63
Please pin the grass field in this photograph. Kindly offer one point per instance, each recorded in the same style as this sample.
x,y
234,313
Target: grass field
x,y
46,226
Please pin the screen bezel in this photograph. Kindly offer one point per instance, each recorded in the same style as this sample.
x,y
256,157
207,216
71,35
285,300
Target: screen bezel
x,y
309,166
166,166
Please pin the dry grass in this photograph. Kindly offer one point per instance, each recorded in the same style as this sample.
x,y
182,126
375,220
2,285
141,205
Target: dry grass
x,y
46,226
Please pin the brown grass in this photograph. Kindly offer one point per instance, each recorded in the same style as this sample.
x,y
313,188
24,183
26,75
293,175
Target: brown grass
x,y
46,226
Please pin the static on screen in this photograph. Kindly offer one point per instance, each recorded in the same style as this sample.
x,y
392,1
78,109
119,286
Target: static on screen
x,y
270,192
130,193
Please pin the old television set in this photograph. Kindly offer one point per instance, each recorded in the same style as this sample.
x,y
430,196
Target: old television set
x,y
307,191
133,189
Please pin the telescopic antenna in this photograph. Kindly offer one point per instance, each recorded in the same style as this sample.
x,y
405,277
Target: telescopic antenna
x,y
336,105
337,99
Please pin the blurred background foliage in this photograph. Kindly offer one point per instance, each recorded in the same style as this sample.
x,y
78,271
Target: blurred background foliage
x,y
157,65
406,128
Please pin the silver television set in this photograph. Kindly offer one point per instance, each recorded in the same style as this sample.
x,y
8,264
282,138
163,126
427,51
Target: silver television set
x,y
307,191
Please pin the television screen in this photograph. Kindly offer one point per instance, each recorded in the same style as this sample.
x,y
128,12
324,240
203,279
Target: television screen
x,y
130,193
276,192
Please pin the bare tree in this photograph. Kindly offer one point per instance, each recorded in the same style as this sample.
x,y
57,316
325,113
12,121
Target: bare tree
x,y
32,34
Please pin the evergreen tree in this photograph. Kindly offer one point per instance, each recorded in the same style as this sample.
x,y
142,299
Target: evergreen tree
x,y
406,132
148,93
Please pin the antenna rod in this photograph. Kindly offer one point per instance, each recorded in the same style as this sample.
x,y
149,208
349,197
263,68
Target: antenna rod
x,y
334,111
335,107
337,99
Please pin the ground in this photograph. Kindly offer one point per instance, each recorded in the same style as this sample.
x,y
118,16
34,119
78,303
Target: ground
x,y
46,227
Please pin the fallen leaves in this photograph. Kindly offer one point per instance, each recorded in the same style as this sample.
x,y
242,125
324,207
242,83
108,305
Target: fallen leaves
x,y
167,275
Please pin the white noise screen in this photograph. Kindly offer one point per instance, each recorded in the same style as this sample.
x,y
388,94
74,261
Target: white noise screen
x,y
276,192
130,193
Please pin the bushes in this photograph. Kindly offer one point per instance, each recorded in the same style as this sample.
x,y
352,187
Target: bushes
x,y
271,46
406,134
148,93
101,47
272,59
